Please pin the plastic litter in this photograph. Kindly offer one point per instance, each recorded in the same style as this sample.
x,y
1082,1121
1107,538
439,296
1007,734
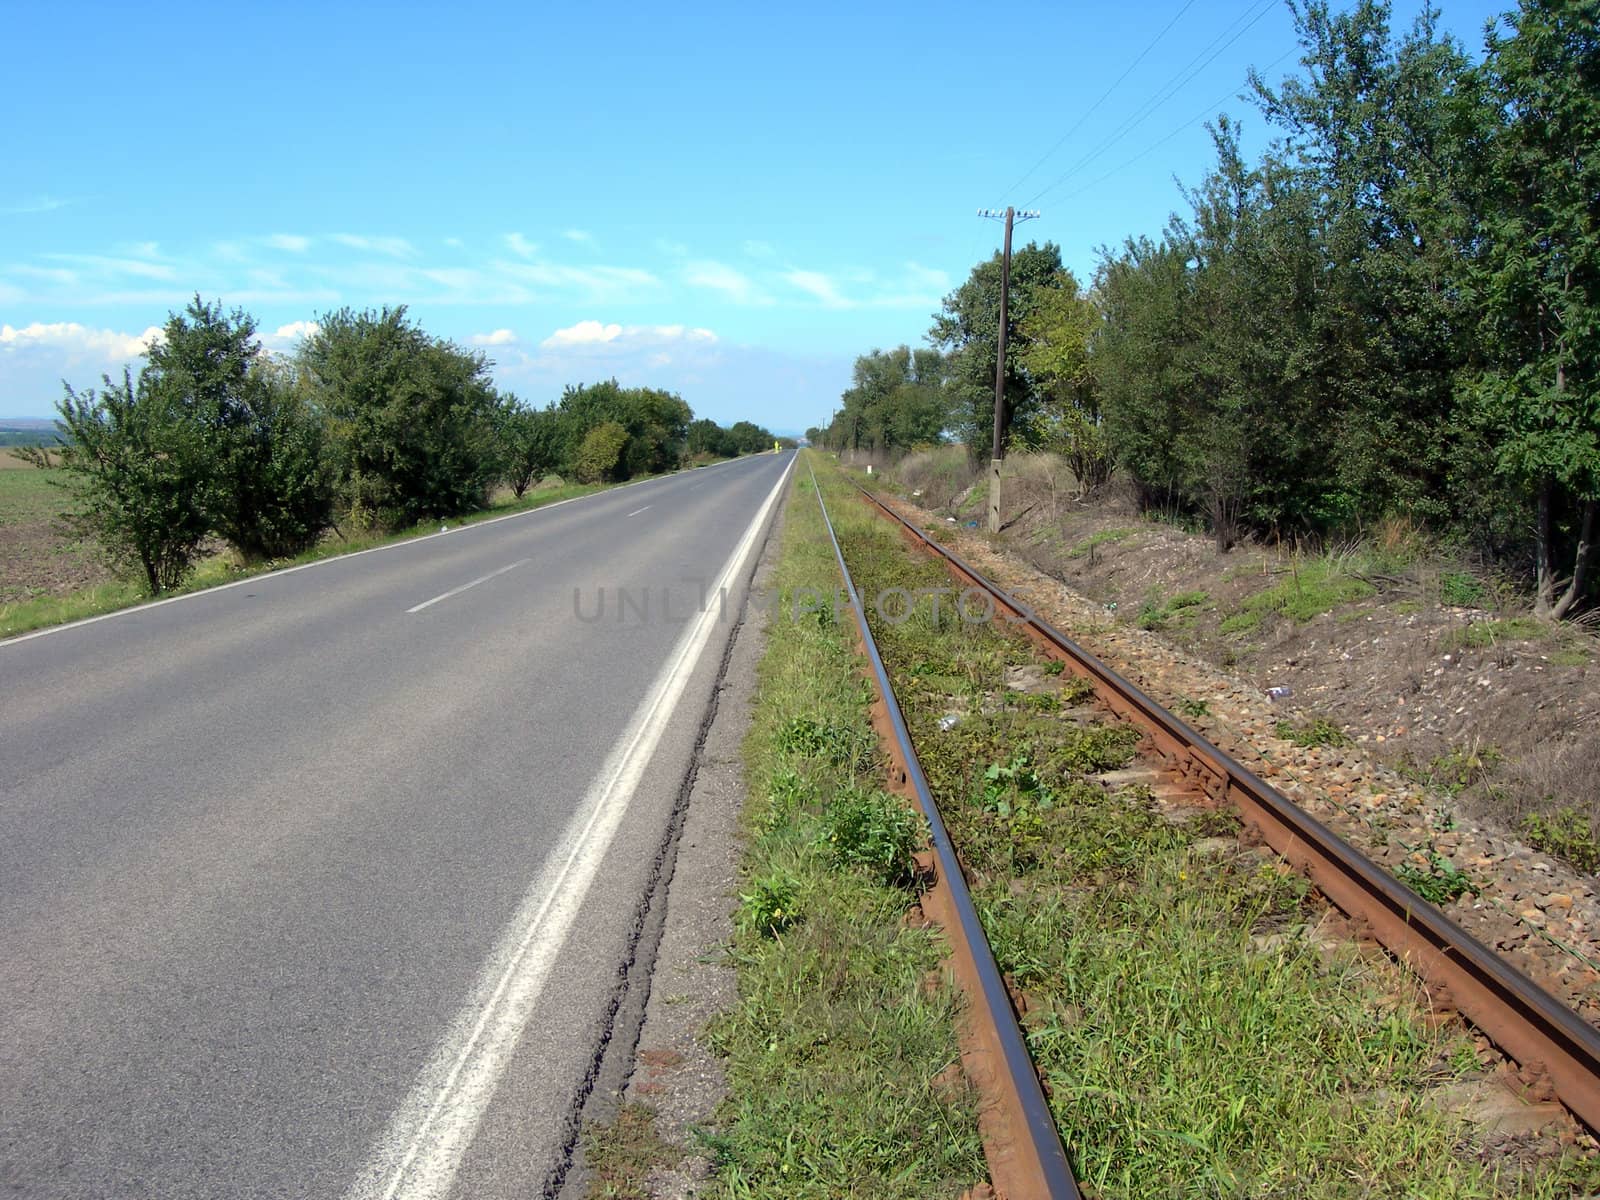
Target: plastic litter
x,y
949,721
1280,693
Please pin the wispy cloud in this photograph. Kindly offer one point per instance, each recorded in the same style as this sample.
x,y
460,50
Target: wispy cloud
x,y
582,236
35,204
294,243
394,247
109,265
521,246
725,280
818,286
601,284
500,337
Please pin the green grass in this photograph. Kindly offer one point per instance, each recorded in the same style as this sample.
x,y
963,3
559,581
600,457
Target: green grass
x,y
41,611
1481,635
836,1040
1313,731
1106,537
1566,833
1317,586
1571,656
29,494
1184,1053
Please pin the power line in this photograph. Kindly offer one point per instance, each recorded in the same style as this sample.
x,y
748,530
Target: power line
x,y
1154,146
1186,75
1088,112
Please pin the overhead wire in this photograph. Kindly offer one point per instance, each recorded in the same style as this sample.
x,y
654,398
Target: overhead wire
x,y
1156,145
1088,112
1182,78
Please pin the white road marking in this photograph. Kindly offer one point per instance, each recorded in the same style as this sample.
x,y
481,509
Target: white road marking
x,y
456,591
637,511
338,558
418,1155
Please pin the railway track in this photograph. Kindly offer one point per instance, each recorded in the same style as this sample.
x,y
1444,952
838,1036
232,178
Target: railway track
x,y
1557,1051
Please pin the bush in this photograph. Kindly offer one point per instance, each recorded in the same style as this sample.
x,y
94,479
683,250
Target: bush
x,y
600,452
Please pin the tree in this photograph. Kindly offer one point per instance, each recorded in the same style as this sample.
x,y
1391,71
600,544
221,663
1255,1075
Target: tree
x,y
656,422
139,474
414,419
1538,276
705,436
530,445
968,327
1058,336
267,485
600,453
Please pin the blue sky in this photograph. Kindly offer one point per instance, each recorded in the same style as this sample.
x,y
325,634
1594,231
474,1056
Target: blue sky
x,y
730,201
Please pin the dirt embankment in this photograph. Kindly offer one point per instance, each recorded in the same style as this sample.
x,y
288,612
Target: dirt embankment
x,y
1391,644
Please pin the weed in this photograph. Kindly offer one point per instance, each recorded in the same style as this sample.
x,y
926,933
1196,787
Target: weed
x,y
1459,589
1441,883
1481,635
1054,667
1569,656
1189,600
1191,708
843,746
1311,589
1240,622
621,1153
1462,767
1566,833
771,905
872,830
1106,537
1077,690
1314,731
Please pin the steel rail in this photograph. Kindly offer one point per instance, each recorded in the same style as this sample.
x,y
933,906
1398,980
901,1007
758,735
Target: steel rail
x,y
1041,1150
1547,1038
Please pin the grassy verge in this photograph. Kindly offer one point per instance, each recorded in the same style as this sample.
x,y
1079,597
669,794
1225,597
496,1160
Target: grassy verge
x,y
841,1047
1194,1038
40,611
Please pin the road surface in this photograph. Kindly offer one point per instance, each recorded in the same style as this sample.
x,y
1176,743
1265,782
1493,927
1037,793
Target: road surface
x,y
320,884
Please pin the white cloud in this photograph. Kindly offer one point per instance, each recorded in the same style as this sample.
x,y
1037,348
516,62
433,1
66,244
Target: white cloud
x,y
78,342
521,246
577,235
928,277
719,277
500,337
287,335
584,333
629,337
601,283
394,247
819,286
292,242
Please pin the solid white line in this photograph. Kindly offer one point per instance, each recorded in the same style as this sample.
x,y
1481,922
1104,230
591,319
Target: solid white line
x,y
456,591
338,558
418,1155
637,511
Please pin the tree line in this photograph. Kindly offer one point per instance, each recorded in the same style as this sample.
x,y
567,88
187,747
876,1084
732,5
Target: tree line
x,y
372,425
1393,310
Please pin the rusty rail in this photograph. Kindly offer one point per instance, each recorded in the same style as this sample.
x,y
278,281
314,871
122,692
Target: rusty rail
x,y
1551,1043
1035,1163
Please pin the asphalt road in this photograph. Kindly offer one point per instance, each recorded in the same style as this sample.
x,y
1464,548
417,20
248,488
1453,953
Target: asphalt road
x,y
320,884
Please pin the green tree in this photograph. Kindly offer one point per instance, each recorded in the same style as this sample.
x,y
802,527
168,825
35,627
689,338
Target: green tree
x,y
1537,402
268,489
600,454
139,475
1059,335
705,436
531,445
414,419
657,424
968,328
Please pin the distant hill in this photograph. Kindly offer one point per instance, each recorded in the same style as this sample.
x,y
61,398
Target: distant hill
x,y
28,431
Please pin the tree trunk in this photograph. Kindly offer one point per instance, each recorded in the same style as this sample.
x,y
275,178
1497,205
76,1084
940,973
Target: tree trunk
x,y
1580,565
1544,580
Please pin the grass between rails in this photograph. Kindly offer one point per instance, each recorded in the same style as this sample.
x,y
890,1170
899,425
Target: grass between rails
x,y
41,611
840,1049
1193,1039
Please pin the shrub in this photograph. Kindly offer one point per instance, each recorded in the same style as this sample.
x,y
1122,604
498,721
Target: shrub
x,y
600,452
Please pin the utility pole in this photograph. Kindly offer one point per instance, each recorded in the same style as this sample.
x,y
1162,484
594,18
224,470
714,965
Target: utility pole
x,y
1010,216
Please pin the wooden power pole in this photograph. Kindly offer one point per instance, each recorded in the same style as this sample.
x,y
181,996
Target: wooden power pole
x,y
1010,216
